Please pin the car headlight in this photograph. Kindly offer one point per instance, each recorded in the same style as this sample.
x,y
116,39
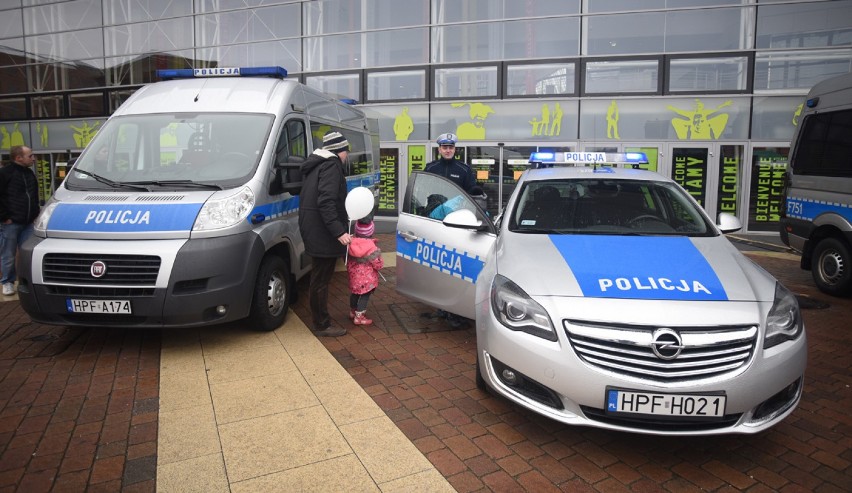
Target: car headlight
x,y
517,311
784,321
225,212
40,224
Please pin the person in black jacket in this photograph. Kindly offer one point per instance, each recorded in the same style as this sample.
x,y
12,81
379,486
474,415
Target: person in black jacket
x,y
18,209
323,223
450,167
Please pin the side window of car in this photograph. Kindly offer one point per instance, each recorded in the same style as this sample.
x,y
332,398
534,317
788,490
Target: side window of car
x,y
434,197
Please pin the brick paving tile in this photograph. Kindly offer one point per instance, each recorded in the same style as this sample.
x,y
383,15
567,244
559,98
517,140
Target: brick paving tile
x,y
810,449
66,399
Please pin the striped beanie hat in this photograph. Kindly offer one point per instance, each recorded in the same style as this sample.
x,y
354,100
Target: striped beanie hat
x,y
364,229
335,142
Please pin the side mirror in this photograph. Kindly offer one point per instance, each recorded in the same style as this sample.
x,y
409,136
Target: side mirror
x,y
728,223
463,219
288,177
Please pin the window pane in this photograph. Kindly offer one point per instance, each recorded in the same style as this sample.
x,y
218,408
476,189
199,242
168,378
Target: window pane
x,y
67,16
331,16
620,34
399,47
515,8
123,11
622,76
47,107
220,5
248,25
389,14
408,84
466,82
468,10
783,71
467,42
284,53
59,76
11,24
708,74
550,78
12,52
13,80
621,5
811,24
117,98
133,70
776,118
147,37
338,86
86,104
333,52
13,108
76,45
543,38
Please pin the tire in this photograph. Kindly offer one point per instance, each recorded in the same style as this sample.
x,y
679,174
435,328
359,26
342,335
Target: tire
x,y
480,382
271,298
831,267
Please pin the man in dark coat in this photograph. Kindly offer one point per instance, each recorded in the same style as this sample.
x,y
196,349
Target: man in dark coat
x,y
450,167
18,209
323,223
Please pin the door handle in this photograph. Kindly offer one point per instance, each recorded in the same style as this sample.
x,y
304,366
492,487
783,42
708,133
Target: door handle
x,y
408,236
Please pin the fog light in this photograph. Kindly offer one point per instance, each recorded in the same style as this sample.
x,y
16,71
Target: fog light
x,y
510,377
221,310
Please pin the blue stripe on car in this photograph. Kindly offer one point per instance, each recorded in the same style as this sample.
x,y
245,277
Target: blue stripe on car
x,y
450,261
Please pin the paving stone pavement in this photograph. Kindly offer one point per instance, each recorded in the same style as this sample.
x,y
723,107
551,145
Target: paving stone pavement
x,y
79,408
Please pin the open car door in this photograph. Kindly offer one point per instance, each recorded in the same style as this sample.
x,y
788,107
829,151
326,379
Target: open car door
x,y
442,239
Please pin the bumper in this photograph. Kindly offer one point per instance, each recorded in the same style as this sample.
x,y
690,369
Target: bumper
x,y
194,279
551,379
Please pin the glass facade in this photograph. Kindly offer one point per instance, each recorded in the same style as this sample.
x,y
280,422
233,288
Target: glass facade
x,y
573,74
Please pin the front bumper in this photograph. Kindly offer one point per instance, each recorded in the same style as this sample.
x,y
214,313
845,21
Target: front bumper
x,y
195,277
551,379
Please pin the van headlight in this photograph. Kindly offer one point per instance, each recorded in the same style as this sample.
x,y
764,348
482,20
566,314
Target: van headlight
x,y
225,212
517,311
40,224
784,321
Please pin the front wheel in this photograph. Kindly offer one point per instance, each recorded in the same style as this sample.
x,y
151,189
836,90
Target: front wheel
x,y
271,294
831,267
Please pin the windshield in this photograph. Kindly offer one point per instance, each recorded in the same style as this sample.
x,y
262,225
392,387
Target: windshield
x,y
176,151
606,206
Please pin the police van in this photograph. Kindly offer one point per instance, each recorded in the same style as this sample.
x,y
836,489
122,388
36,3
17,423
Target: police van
x,y
605,296
817,219
183,210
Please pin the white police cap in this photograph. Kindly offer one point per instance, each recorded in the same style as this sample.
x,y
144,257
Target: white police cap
x,y
447,139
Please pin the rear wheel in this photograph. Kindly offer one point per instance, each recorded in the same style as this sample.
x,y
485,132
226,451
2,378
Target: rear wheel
x,y
831,267
271,294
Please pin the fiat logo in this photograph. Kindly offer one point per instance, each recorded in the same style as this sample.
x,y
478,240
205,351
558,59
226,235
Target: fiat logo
x,y
666,344
98,269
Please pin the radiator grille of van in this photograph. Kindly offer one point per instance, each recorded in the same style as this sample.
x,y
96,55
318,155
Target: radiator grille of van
x,y
121,270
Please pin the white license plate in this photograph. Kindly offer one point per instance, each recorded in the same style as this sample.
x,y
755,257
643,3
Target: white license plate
x,y
621,401
98,306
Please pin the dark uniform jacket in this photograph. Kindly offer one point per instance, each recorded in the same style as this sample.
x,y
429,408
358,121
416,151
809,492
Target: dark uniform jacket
x,y
322,205
457,171
18,194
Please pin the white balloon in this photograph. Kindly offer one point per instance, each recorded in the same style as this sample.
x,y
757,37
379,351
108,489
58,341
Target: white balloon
x,y
359,203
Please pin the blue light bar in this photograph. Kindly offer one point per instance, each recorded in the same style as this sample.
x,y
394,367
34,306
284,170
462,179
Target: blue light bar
x,y
635,158
189,73
812,102
348,101
542,157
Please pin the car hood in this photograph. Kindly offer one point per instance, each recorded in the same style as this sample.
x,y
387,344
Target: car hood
x,y
631,267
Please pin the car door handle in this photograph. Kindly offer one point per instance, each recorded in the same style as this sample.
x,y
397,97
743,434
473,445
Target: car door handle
x,y
408,236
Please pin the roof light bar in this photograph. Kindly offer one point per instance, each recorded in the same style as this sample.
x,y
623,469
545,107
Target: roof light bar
x,y
190,73
550,159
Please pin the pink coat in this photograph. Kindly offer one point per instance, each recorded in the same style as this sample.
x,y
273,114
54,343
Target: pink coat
x,y
365,260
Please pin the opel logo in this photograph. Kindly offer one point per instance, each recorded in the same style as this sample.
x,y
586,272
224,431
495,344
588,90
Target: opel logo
x,y
98,269
666,344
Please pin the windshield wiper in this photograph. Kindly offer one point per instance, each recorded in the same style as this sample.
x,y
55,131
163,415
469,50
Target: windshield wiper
x,y
538,231
166,183
107,181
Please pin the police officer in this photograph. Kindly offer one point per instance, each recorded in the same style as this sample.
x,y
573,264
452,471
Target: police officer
x,y
450,167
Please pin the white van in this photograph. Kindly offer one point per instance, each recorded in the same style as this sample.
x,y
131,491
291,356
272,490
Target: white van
x,y
183,210
817,219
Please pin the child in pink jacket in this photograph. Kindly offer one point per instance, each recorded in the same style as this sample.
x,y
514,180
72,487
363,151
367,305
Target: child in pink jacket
x,y
365,260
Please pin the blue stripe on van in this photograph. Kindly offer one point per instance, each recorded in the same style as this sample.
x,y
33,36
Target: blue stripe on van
x,y
123,218
290,205
809,209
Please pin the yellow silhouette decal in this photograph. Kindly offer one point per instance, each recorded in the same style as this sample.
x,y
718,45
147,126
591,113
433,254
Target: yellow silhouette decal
x,y
797,114
6,142
403,125
699,124
612,120
42,133
474,130
547,125
85,133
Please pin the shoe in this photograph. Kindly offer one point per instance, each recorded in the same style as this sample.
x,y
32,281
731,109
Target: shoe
x,y
352,313
8,289
456,321
330,332
361,318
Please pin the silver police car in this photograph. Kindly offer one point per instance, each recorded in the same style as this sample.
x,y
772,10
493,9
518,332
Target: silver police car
x,y
605,296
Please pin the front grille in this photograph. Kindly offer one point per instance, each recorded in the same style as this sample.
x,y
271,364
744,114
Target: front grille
x,y
121,270
98,291
627,350
646,423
